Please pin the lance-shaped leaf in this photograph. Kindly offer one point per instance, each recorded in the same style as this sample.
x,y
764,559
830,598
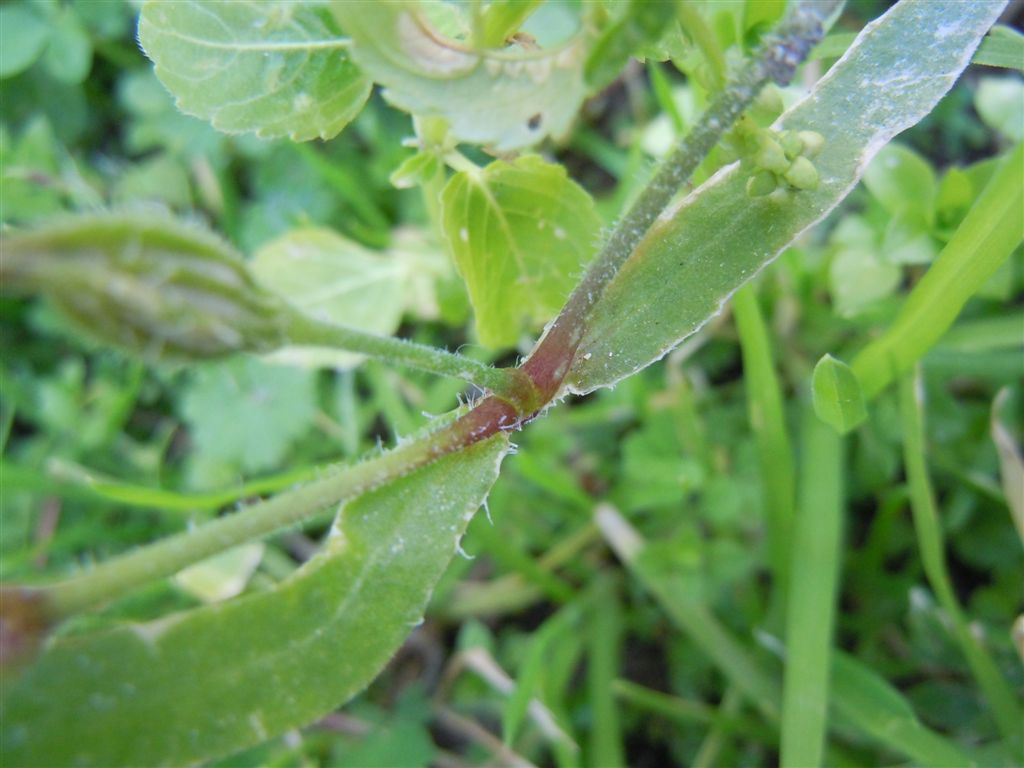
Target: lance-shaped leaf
x,y
508,97
718,237
520,233
217,679
275,68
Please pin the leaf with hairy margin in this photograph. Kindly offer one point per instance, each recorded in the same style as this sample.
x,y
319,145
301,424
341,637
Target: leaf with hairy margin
x,y
275,68
214,680
718,238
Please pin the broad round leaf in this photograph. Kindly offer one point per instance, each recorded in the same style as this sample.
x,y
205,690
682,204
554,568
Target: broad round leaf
x,y
275,68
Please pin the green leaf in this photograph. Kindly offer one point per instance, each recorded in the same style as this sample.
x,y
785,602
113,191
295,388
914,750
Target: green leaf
x,y
1002,47
641,25
68,56
244,414
276,68
506,97
902,181
984,240
217,679
871,704
838,399
857,279
1000,103
332,278
717,238
520,233
23,36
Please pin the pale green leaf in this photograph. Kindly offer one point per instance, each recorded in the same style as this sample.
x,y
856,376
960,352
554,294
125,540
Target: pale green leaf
x,y
901,180
506,97
838,400
520,233
276,68
332,278
243,416
718,237
222,576
22,38
857,279
214,680
1000,103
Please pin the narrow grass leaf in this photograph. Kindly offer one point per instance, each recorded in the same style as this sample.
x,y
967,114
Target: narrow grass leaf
x,y
873,706
689,614
273,68
603,661
930,542
768,423
214,680
718,237
1002,47
810,616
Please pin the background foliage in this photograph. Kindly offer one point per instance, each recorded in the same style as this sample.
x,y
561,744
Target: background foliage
x,y
545,643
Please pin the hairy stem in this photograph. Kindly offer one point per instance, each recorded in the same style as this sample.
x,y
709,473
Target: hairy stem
x,y
120,575
775,60
507,383
518,393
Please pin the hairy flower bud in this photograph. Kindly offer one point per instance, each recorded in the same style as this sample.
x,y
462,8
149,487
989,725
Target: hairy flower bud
x,y
146,283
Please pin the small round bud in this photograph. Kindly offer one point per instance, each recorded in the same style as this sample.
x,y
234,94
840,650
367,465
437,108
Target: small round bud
x,y
802,174
792,144
770,155
812,141
761,183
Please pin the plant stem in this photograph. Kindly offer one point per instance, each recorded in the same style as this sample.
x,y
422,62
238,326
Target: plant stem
x,y
120,575
775,60
519,393
507,383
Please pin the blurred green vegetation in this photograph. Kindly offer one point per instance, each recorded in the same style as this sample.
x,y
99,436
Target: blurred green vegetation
x,y
101,453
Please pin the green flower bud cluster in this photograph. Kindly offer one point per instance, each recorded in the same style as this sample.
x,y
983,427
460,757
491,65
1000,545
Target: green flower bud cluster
x,y
782,160
147,284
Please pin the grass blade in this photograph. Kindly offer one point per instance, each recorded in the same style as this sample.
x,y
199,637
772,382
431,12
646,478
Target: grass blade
x,y
812,592
1005,709
768,422
988,235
